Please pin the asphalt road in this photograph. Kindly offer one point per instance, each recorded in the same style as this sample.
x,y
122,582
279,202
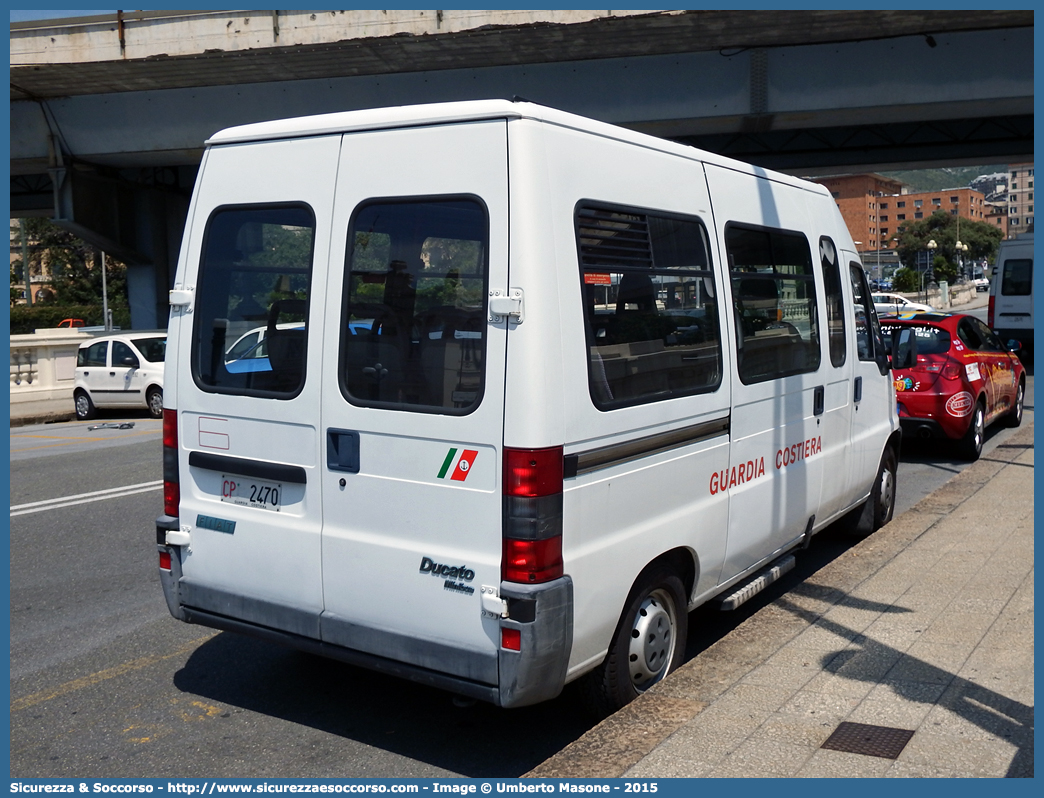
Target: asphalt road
x,y
105,684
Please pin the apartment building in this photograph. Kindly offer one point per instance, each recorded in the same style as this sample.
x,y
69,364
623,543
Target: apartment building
x,y
874,207
964,202
860,198
1020,199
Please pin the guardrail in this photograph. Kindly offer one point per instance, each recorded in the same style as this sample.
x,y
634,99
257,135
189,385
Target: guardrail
x,y
43,367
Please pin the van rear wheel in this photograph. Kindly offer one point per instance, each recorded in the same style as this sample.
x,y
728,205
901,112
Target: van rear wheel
x,y
648,644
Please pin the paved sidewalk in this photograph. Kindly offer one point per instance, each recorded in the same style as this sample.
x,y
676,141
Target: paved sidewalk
x,y
926,626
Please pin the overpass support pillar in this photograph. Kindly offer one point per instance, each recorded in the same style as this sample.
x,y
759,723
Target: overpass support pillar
x,y
139,222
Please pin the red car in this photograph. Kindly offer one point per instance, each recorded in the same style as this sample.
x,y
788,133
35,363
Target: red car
x,y
956,379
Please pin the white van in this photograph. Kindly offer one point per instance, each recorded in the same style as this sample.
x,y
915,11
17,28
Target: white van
x,y
1010,312
536,386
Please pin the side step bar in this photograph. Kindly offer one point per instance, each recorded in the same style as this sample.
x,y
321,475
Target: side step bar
x,y
758,582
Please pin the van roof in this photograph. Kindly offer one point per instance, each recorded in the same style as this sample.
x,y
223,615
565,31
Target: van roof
x,y
474,110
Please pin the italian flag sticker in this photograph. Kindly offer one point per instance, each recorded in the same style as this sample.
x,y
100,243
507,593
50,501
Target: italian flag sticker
x,y
461,467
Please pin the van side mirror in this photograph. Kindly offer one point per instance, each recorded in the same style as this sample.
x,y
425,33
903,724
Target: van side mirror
x,y
904,348
131,362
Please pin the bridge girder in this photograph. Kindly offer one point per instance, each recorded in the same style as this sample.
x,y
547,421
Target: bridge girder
x,y
807,93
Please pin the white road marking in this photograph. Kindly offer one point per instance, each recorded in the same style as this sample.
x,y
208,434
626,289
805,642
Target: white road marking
x,y
84,498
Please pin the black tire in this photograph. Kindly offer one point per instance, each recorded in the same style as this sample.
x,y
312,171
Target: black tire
x,y
154,399
970,446
649,643
1014,418
879,506
85,409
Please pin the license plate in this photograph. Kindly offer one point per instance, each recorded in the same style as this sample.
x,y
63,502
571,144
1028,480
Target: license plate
x,y
250,492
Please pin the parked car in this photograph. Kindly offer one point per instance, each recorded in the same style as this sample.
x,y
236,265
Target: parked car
x,y
121,370
981,284
897,305
956,379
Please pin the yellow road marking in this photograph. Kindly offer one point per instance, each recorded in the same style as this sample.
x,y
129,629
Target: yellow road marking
x,y
101,676
71,441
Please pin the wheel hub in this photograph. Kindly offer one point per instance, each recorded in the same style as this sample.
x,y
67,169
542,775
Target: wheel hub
x,y
652,641
887,490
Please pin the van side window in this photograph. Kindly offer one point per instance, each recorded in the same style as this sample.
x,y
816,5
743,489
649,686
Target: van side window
x,y
868,331
835,302
650,305
774,296
251,311
1017,277
413,331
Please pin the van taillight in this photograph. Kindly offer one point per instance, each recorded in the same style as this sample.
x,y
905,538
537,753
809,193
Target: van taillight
x,y
532,550
989,312
533,472
532,561
171,486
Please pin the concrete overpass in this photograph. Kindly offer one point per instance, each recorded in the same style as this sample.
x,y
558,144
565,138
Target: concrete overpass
x,y
108,115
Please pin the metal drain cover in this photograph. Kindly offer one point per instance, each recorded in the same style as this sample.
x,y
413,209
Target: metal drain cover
x,y
862,738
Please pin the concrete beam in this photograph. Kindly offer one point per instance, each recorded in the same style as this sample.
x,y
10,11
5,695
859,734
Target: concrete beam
x,y
701,93
141,51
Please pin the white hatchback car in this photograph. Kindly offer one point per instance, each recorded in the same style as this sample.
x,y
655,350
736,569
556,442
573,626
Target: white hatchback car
x,y
120,370
896,305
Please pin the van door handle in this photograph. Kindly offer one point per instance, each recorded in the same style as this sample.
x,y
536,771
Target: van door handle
x,y
342,450
818,400
858,396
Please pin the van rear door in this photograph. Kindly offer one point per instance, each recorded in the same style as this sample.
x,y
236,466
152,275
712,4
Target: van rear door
x,y
248,421
413,397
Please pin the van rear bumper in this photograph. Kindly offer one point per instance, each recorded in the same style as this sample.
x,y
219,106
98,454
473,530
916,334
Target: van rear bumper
x,y
542,613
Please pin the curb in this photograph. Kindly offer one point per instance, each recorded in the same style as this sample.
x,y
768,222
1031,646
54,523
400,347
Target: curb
x,y
43,418
620,741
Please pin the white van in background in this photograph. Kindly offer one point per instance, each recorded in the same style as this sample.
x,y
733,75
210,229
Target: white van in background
x,y
535,387
1010,312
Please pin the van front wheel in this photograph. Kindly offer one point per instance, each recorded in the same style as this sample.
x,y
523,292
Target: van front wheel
x,y
648,644
877,510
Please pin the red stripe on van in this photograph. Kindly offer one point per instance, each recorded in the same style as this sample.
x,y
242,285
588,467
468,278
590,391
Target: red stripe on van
x,y
463,467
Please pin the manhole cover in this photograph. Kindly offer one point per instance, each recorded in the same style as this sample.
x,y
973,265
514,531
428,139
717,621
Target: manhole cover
x,y
862,738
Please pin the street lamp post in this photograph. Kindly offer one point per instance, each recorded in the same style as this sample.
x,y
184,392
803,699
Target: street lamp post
x,y
929,273
960,249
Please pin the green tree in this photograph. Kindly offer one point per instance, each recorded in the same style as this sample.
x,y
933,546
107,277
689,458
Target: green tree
x,y
75,267
906,280
944,270
982,239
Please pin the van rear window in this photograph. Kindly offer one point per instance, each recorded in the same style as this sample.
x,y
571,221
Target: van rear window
x,y
774,296
1017,277
251,312
413,333
650,305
